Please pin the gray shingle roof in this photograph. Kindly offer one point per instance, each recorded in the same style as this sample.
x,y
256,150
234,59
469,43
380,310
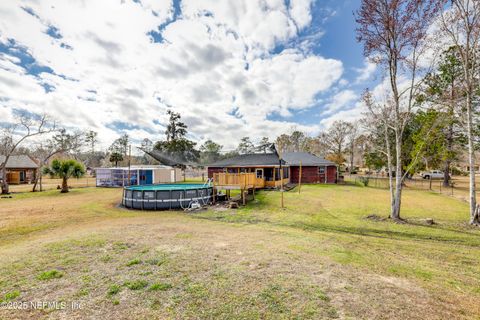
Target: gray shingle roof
x,y
254,159
21,162
308,159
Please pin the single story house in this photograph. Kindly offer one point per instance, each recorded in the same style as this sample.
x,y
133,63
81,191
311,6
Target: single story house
x,y
20,169
265,166
314,169
138,175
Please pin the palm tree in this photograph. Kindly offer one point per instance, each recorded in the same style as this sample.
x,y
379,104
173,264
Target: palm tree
x,y
116,157
65,169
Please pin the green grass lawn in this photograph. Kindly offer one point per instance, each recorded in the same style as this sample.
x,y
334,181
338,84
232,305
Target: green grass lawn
x,y
319,257
446,252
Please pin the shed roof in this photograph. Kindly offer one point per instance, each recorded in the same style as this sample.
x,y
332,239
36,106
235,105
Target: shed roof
x,y
138,167
252,159
307,159
19,162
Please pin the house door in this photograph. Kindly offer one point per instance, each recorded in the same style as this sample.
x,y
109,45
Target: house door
x,y
146,177
22,176
260,178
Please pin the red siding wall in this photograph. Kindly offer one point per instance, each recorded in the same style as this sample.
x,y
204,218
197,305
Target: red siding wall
x,y
212,170
310,174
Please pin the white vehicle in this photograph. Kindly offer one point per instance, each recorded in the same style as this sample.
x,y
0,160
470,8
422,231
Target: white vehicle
x,y
432,174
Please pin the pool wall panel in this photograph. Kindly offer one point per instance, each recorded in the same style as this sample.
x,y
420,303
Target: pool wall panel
x,y
164,199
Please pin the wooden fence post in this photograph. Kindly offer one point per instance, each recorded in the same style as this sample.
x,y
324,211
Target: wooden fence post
x,y
281,184
300,177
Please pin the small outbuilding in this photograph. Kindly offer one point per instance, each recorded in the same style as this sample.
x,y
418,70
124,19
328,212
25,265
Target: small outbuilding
x,y
20,169
314,169
137,175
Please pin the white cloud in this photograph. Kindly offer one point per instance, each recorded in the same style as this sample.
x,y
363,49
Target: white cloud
x,y
350,115
339,101
214,59
366,72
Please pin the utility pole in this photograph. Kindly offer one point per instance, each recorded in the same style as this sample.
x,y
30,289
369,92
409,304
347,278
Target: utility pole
x,y
129,163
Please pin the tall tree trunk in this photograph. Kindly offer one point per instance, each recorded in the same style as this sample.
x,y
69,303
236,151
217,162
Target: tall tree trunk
x,y
451,115
398,176
446,167
389,164
351,158
471,162
64,185
37,175
446,173
5,189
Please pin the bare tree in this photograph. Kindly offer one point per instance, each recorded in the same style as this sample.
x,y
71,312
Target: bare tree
x,y
61,143
393,32
336,138
295,141
147,144
380,115
26,126
461,24
352,141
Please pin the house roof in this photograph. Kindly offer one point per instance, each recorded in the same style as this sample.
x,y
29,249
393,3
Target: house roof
x,y
252,159
20,162
307,159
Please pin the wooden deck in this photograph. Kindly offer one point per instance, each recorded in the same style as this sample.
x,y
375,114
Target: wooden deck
x,y
247,180
239,181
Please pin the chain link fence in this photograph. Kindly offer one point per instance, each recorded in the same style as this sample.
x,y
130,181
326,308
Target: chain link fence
x,y
50,184
459,185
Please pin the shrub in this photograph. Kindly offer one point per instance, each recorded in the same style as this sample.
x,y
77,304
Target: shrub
x,y
364,181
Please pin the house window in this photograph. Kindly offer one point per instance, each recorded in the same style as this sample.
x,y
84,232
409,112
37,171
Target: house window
x,y
321,170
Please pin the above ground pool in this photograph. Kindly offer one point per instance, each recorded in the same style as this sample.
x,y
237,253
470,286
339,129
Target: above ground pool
x,y
166,196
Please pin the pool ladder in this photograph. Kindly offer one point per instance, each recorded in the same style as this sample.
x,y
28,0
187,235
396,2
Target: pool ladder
x,y
208,183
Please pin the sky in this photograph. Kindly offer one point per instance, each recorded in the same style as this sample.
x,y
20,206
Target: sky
x,y
231,68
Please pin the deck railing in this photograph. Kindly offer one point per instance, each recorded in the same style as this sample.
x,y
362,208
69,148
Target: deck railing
x,y
240,180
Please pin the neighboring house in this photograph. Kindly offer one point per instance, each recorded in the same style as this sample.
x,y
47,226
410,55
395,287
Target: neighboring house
x,y
139,175
314,169
265,166
20,169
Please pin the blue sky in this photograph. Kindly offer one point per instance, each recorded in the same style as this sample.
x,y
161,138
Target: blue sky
x,y
336,19
231,68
